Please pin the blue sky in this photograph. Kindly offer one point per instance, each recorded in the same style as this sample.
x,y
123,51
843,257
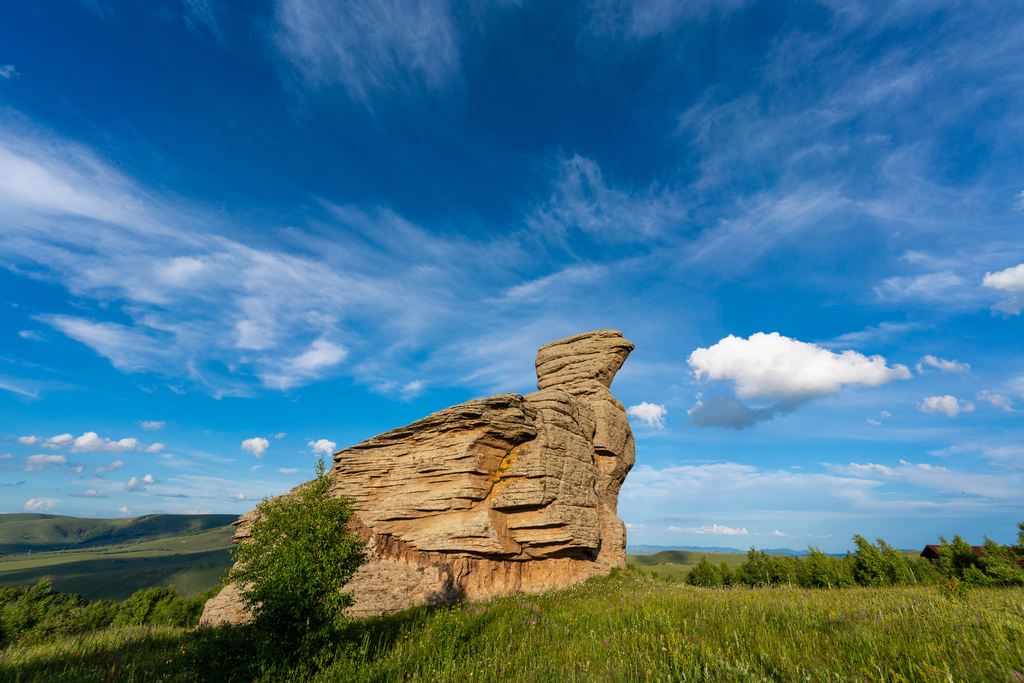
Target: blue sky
x,y
236,234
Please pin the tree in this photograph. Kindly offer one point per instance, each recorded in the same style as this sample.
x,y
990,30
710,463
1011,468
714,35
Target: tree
x,y
291,570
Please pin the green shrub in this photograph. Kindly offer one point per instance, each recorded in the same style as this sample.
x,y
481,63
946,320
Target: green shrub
x,y
292,568
704,574
819,570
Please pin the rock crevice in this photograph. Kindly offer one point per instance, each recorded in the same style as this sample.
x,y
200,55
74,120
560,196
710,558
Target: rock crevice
x,y
495,495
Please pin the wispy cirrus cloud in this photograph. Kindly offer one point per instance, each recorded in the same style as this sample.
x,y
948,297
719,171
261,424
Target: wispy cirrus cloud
x,y
369,46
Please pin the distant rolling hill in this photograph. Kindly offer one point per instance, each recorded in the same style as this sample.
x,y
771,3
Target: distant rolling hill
x,y
22,532
109,559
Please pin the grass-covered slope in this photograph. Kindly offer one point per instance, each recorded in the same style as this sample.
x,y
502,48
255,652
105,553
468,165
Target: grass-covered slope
x,y
627,628
676,564
24,532
103,559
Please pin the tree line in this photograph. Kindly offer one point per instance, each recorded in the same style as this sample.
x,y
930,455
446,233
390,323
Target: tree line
x,y
957,568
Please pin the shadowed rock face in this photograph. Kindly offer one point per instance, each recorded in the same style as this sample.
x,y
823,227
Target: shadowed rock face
x,y
507,493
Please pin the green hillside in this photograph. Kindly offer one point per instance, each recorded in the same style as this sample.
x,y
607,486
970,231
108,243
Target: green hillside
x,y
677,564
103,559
24,532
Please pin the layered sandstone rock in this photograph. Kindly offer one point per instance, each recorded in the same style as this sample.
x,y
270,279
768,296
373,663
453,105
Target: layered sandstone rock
x,y
507,493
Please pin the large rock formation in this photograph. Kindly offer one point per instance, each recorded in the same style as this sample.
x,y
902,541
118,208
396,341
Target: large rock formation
x,y
501,494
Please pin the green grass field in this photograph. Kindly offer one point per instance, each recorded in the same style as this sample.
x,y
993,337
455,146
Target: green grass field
x,y
627,628
111,559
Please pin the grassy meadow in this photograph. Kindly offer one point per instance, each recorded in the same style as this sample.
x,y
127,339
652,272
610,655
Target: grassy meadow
x,y
627,627
103,559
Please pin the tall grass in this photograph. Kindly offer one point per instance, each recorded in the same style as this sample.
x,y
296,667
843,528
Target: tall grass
x,y
623,628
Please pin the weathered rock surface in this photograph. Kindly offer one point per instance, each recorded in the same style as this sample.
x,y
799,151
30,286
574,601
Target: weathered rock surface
x,y
507,493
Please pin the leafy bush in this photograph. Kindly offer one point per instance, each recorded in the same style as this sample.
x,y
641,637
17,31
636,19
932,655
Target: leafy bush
x,y
819,570
704,574
293,567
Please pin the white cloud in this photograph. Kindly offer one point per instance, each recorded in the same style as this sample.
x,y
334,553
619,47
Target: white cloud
x,y
305,367
153,425
942,479
650,414
7,70
369,46
583,200
29,440
635,527
59,441
1019,204
90,441
239,497
38,462
287,470
943,365
155,448
124,510
929,287
885,413
1009,280
949,405
257,446
997,400
323,446
136,484
712,529
873,422
788,372
91,493
40,504
116,465
30,334
773,367
280,435
874,334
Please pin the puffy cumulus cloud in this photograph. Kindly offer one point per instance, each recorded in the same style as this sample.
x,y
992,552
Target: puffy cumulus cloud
x,y
124,510
239,497
155,448
323,446
39,504
59,441
1010,280
91,493
257,446
38,462
115,465
153,425
136,484
90,441
947,404
997,400
712,529
305,367
941,364
776,368
650,414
